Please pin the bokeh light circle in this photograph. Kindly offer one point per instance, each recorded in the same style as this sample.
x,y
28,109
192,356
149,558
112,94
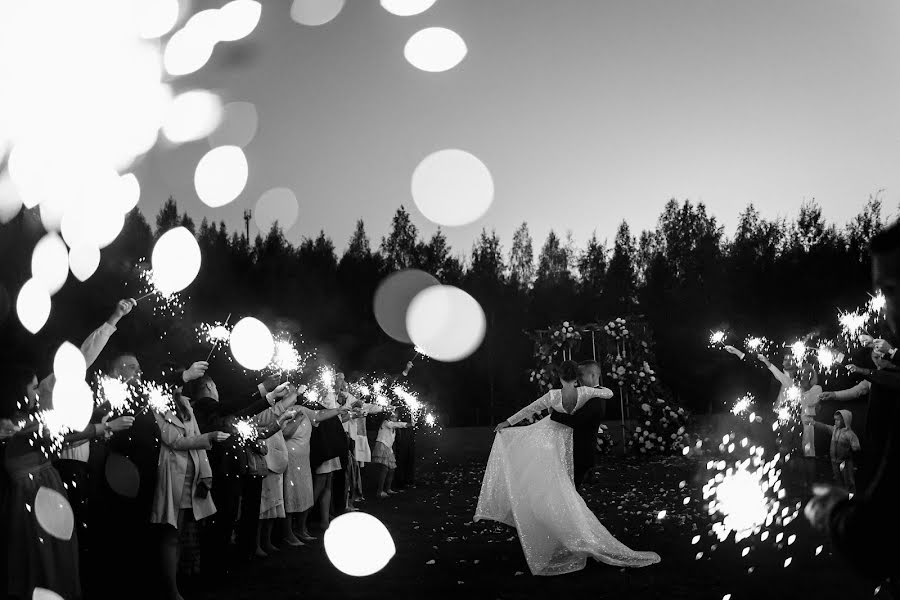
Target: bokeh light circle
x,y
435,49
407,8
276,205
53,513
358,544
192,115
131,192
175,260
238,19
155,18
10,202
68,362
84,260
237,127
221,175
122,475
33,306
392,299
252,344
452,188
315,12
73,402
50,262
187,51
445,323
45,594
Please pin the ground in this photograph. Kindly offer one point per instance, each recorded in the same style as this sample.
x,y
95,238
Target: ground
x,y
442,553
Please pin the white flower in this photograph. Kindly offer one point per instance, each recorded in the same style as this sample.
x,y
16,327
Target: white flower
x,y
648,445
652,436
568,335
653,379
624,332
647,423
638,429
642,374
680,411
620,370
611,325
680,430
646,408
642,450
673,436
620,320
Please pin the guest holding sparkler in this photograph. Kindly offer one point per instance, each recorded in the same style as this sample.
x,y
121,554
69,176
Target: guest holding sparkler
x,y
843,444
184,482
328,450
865,528
34,557
383,454
298,480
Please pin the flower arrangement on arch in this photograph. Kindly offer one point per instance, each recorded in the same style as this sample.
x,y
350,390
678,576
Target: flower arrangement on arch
x,y
661,429
617,329
560,338
605,440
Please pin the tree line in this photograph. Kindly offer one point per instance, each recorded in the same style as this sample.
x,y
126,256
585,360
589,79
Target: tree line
x,y
778,278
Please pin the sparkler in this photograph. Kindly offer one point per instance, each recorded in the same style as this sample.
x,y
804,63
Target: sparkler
x,y
245,431
116,392
828,358
743,404
756,344
853,324
877,302
798,349
159,399
168,303
429,420
717,339
215,334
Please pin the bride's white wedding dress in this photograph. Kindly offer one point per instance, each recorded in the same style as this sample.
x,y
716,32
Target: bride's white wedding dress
x,y
529,485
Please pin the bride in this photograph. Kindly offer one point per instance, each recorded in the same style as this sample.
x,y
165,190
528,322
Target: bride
x,y
528,484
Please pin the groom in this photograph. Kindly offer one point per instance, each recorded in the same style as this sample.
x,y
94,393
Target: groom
x,y
584,423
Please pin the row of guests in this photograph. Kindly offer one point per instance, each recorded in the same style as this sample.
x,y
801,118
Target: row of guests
x,y
189,464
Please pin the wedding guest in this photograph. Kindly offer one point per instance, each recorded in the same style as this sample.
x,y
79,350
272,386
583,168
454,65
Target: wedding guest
x,y
230,464
383,454
327,445
298,481
183,485
843,444
34,557
865,528
271,508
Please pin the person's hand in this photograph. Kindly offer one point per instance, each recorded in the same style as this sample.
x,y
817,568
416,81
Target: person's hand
x,y
195,371
867,341
271,382
207,481
853,369
123,307
217,436
818,510
762,358
7,429
502,425
827,397
120,424
733,350
302,389
883,346
282,390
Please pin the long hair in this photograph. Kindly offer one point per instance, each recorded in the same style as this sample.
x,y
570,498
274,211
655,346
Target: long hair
x,y
14,380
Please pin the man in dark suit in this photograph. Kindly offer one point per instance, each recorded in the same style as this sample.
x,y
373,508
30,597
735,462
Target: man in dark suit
x,y
584,423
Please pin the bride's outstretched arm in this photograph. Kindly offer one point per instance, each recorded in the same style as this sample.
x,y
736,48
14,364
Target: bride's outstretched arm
x,y
542,403
600,392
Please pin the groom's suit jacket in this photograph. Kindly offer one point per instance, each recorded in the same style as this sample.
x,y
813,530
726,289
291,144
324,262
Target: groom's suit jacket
x,y
584,423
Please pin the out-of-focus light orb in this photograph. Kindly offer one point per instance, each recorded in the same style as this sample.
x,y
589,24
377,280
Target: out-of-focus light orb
x,y
33,305
392,299
192,115
446,323
122,475
10,202
53,513
155,18
24,166
276,205
315,12
358,544
452,188
252,344
238,19
68,362
175,260
45,594
435,49
187,51
221,175
407,8
50,262
73,403
84,260
238,125
206,24
131,192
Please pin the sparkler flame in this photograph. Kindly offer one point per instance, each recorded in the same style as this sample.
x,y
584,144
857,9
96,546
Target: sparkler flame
x,y
286,357
116,392
429,420
877,302
245,430
826,357
853,324
743,404
717,338
159,399
798,349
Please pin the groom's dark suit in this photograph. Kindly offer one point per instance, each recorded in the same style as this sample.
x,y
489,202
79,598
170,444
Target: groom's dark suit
x,y
584,423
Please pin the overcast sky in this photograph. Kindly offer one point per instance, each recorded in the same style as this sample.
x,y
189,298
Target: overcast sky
x,y
586,112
